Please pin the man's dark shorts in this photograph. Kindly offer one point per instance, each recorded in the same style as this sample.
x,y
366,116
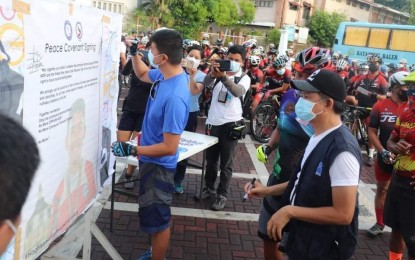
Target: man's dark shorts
x,y
399,211
131,121
155,196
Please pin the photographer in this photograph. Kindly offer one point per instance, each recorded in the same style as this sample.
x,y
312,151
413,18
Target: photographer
x,y
224,121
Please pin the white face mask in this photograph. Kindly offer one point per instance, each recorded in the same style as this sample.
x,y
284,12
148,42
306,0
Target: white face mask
x,y
235,66
192,62
281,71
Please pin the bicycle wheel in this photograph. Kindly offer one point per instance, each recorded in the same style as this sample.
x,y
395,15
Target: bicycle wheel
x,y
364,135
263,122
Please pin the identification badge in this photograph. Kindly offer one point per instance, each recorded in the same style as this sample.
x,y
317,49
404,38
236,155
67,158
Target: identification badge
x,y
223,95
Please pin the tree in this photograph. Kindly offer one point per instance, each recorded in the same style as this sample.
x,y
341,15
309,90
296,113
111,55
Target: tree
x,y
323,27
273,36
136,20
159,10
246,11
189,18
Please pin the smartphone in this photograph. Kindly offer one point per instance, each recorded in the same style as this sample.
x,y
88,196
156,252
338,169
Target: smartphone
x,y
190,64
224,65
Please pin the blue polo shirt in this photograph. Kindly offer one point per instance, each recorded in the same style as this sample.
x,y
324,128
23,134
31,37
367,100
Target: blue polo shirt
x,y
167,113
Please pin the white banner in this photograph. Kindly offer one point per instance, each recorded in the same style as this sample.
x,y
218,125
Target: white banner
x,y
69,66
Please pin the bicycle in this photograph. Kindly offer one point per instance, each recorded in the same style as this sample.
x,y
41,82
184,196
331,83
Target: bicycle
x,y
354,119
264,118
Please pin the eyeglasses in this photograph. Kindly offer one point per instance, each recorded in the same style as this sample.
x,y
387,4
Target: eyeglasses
x,y
11,226
154,88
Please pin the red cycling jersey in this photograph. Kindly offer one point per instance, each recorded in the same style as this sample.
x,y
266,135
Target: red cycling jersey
x,y
372,83
255,75
275,80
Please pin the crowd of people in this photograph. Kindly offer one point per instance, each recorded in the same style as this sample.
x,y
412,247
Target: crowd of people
x,y
314,150
309,206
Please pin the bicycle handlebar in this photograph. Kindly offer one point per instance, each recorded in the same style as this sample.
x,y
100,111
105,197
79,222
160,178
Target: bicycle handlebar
x,y
359,108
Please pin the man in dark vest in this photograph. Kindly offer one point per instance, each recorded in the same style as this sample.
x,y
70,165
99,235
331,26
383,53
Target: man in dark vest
x,y
318,216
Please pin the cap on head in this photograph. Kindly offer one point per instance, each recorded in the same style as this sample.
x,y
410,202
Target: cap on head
x,y
324,81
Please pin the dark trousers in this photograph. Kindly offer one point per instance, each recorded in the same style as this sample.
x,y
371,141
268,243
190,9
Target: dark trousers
x,y
182,165
225,151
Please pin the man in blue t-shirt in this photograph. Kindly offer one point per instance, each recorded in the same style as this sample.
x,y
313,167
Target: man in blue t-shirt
x,y
164,121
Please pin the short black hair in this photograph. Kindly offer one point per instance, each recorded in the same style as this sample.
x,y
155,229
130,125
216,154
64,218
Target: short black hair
x,y
238,49
170,43
19,159
338,107
196,47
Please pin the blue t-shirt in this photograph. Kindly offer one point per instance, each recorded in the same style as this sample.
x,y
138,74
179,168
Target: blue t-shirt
x,y
167,113
194,99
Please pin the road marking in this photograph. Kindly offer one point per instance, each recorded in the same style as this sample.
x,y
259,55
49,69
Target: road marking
x,y
189,212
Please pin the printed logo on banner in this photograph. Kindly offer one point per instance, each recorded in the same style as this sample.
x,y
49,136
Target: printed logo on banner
x,y
79,32
68,30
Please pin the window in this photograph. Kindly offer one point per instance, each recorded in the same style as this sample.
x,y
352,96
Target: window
x,y
99,5
104,6
367,7
306,12
348,2
339,1
266,3
256,3
109,7
95,3
354,4
361,6
402,40
114,8
356,36
119,8
378,38
293,6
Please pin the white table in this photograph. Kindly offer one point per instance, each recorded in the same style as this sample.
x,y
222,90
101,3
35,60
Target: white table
x,y
190,144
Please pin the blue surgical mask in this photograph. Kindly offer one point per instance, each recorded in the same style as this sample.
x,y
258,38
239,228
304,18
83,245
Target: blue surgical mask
x,y
151,59
235,66
304,111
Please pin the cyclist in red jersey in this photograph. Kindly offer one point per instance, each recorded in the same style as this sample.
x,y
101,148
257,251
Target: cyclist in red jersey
x,y
362,70
276,79
367,90
341,69
402,65
255,73
382,121
400,200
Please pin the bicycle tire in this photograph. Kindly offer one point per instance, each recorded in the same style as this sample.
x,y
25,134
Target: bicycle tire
x,y
263,122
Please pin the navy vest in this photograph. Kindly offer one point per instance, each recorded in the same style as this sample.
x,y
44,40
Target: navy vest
x,y
312,241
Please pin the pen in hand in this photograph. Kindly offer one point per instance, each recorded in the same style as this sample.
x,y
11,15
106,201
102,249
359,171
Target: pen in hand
x,y
249,189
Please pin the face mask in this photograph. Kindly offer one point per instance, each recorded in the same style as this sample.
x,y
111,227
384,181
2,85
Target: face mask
x,y
151,59
400,65
192,62
304,111
235,66
308,129
281,71
373,67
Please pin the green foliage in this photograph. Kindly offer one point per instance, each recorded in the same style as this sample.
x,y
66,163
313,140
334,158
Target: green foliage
x,y
273,36
224,12
247,11
323,27
189,18
411,11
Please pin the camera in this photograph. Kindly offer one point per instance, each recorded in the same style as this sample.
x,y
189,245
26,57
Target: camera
x,y
132,41
224,65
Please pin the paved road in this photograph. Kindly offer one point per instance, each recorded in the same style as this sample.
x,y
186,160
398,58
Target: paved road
x,y
198,233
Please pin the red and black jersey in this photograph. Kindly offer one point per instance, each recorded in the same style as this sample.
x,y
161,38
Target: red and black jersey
x,y
343,74
383,117
372,83
255,75
275,80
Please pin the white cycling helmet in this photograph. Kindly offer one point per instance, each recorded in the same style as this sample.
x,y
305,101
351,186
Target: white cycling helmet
x,y
397,78
195,43
254,60
144,40
261,49
341,64
205,42
206,36
230,44
284,57
256,52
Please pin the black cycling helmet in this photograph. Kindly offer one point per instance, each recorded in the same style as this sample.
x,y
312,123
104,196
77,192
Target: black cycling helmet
x,y
374,58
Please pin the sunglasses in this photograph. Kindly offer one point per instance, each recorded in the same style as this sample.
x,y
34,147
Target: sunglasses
x,y
154,88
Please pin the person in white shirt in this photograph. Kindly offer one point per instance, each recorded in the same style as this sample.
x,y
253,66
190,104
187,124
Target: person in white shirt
x,y
225,115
